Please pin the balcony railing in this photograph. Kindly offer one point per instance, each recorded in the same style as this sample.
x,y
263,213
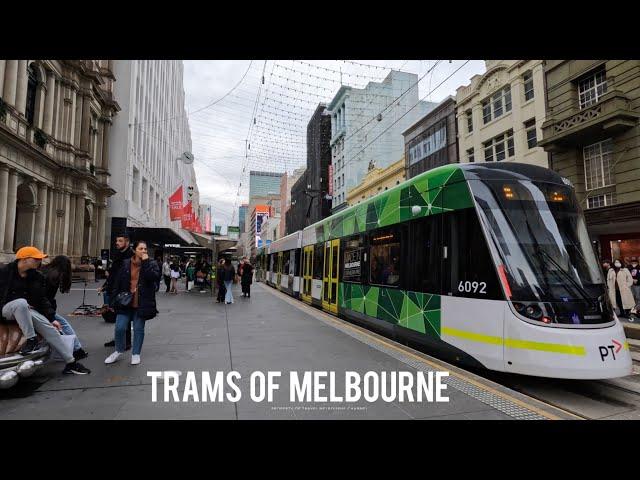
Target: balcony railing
x,y
611,115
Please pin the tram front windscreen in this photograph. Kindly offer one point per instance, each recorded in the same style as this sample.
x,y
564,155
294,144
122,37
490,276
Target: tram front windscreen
x,y
539,231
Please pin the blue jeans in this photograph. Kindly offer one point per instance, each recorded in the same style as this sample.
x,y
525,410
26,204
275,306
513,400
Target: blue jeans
x,y
67,329
122,324
228,298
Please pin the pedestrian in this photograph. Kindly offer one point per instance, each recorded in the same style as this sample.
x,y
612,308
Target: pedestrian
x,y
619,283
606,265
220,282
159,262
229,275
246,277
635,275
175,275
58,277
23,298
166,274
206,269
134,300
200,278
191,274
123,253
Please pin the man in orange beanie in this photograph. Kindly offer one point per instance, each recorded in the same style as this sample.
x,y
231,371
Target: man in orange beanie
x,y
23,298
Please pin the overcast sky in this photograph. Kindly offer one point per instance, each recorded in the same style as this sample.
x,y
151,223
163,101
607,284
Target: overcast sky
x,y
228,103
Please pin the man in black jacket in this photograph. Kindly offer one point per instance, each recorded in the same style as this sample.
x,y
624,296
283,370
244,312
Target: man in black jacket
x,y
123,252
23,298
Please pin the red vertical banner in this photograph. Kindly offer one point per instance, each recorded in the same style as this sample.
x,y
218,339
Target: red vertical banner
x,y
187,216
207,221
330,187
175,205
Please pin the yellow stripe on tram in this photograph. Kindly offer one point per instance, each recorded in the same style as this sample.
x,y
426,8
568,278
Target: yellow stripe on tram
x,y
513,343
476,337
545,347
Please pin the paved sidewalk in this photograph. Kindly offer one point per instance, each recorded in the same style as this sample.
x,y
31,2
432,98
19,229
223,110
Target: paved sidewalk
x,y
265,333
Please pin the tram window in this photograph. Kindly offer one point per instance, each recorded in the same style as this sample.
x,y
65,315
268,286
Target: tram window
x,y
327,257
384,265
352,259
318,258
296,262
470,271
425,255
286,260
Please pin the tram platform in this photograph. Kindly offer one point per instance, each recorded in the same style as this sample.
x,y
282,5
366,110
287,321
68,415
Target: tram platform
x,y
268,332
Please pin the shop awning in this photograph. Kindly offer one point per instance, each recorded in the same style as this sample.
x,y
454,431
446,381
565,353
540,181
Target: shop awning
x,y
163,236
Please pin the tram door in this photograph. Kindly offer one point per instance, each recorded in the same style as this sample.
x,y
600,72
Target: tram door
x,y
307,272
279,270
330,277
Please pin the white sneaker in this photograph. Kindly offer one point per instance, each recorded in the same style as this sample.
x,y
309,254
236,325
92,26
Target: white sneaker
x,y
112,358
135,359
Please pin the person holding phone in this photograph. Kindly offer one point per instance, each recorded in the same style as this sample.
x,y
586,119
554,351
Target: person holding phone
x,y
134,300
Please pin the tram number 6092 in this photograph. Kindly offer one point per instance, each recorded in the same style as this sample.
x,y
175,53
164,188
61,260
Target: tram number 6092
x,y
472,287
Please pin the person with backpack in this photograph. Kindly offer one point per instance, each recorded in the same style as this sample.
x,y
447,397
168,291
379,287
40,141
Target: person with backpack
x,y
122,254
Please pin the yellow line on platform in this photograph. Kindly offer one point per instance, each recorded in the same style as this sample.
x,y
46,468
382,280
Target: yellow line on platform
x,y
311,310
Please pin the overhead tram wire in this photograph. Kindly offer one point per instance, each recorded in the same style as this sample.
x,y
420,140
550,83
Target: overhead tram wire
x,y
206,106
404,114
247,142
262,129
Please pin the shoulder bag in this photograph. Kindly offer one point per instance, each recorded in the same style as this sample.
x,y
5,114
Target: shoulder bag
x,y
122,300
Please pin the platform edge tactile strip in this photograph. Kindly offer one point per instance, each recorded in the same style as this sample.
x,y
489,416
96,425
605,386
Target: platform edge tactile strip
x,y
501,404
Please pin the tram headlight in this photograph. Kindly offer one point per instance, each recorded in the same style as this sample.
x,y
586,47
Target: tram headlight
x,y
533,311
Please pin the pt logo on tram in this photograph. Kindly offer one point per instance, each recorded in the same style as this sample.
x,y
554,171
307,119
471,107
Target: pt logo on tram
x,y
605,349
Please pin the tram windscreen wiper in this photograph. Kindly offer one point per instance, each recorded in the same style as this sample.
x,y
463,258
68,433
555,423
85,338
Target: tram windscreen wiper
x,y
585,295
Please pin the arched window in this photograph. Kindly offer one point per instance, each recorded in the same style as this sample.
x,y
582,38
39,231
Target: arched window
x,y
32,86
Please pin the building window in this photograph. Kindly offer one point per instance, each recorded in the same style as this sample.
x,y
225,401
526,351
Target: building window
x,y
432,141
530,128
497,105
486,111
527,78
470,157
145,199
592,88
32,86
602,200
499,148
135,186
496,102
597,164
469,122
